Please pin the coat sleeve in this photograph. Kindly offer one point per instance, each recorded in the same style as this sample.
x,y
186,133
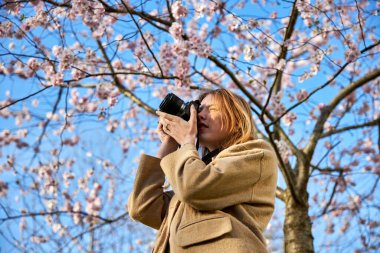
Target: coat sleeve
x,y
148,202
228,180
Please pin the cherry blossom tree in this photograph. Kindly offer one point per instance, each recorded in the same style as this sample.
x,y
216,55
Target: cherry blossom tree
x,y
81,80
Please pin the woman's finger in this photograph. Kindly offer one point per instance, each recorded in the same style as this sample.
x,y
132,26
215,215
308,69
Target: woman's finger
x,y
193,116
167,116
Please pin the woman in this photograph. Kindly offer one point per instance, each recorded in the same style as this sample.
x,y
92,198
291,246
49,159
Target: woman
x,y
220,205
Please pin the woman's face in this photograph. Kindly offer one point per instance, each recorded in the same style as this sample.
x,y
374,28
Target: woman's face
x,y
211,133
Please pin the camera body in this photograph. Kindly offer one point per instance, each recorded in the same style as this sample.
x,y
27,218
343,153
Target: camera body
x,y
173,105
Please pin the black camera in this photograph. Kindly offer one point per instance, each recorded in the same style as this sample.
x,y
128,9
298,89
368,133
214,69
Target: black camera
x,y
175,106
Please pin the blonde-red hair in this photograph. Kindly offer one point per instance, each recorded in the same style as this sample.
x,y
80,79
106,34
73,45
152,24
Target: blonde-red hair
x,y
236,116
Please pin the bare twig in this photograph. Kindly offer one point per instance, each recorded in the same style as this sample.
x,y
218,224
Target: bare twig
x,y
45,125
24,98
43,213
333,192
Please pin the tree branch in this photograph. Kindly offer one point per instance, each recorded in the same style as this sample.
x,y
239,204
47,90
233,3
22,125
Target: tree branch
x,y
285,170
36,214
24,98
93,228
36,147
110,9
332,193
121,88
284,49
146,43
325,113
322,86
239,85
347,128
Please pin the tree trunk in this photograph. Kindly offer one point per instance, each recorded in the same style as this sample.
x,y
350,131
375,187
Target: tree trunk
x,y
297,227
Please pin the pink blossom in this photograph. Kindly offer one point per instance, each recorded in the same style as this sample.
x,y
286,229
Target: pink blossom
x,y
91,12
93,205
118,64
103,91
77,74
364,108
23,225
97,187
203,33
276,105
77,208
39,239
139,52
204,50
56,79
33,64
249,53
352,52
330,228
112,125
166,58
57,50
301,95
112,101
273,15
215,31
91,107
181,48
11,45
178,10
289,118
71,141
3,189
13,6
176,30
281,65
328,145
182,67
124,145
6,29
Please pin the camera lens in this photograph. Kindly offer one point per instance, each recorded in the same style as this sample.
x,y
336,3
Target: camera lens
x,y
172,105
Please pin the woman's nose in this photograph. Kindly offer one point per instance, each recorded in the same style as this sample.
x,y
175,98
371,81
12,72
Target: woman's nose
x,y
201,115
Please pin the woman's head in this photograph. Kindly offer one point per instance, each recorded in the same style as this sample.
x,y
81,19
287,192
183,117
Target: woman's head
x,y
224,119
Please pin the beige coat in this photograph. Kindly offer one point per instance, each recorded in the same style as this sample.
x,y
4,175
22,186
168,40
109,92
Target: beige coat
x,y
221,207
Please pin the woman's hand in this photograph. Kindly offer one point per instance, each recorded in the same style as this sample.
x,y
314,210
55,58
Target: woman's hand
x,y
168,144
180,130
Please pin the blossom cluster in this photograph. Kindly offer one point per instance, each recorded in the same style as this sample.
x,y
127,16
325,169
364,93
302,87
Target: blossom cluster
x,y
276,105
93,201
181,50
176,30
82,104
178,10
3,189
166,58
91,12
7,138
